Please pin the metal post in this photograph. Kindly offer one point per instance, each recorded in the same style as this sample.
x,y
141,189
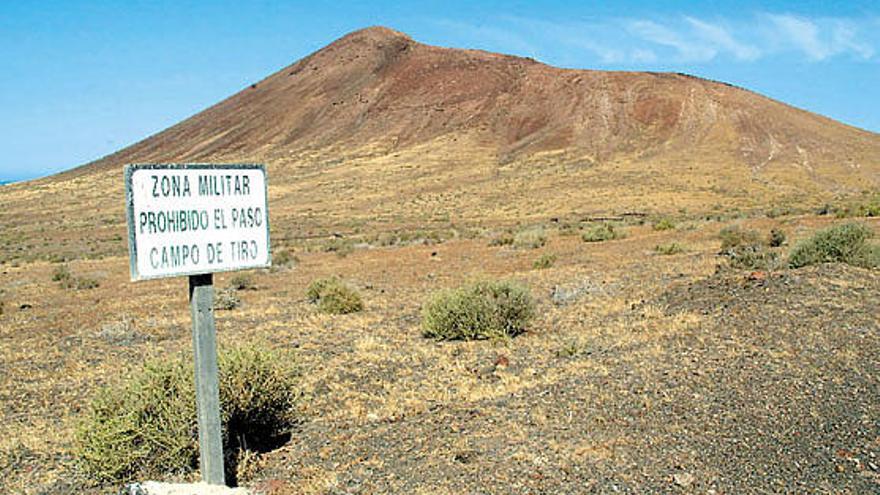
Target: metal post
x,y
201,299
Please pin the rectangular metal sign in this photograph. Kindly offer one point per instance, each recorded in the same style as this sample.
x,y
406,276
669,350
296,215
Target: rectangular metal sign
x,y
189,219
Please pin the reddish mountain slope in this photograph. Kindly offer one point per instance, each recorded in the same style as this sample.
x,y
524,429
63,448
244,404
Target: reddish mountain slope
x,y
379,86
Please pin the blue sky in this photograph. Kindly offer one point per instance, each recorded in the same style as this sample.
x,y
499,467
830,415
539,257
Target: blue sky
x,y
79,80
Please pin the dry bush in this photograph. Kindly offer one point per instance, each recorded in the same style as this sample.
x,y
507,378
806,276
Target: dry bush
x,y
242,281
334,296
664,223
735,236
602,232
753,257
226,299
480,310
146,426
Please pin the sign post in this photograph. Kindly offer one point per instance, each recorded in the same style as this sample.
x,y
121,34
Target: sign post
x,y
201,300
193,220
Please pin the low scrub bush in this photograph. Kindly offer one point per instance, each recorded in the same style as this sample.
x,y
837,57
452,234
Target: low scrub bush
x,y
480,310
753,257
602,232
334,296
342,247
735,236
283,257
241,281
664,223
502,239
544,261
777,238
845,243
146,426
226,299
531,238
669,249
66,280
61,273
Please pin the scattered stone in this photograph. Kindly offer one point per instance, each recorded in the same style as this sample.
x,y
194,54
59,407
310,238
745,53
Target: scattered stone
x,y
683,480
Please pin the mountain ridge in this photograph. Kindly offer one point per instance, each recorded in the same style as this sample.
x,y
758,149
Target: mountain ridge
x,y
380,85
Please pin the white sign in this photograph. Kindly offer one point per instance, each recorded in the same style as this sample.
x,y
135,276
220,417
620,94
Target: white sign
x,y
190,219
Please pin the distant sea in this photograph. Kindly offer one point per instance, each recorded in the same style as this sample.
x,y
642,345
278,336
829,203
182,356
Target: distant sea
x,y
4,182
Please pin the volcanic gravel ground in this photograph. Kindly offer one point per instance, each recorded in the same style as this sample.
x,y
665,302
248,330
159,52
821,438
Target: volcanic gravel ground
x,y
776,391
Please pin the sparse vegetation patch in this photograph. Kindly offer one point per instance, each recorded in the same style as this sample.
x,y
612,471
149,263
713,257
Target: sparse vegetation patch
x,y
342,247
531,238
669,249
753,257
502,239
735,236
479,310
66,280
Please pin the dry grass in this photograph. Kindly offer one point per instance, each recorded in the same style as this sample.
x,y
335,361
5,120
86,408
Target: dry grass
x,y
365,370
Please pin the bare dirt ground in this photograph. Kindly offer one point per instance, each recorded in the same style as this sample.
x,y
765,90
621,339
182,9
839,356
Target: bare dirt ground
x,y
643,373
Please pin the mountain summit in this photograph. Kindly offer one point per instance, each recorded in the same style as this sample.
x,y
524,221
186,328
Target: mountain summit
x,y
377,86
377,128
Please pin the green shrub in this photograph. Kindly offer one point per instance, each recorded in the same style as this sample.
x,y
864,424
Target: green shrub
x,y
480,310
846,243
664,223
334,296
669,249
602,232
777,238
735,236
531,238
146,426
544,261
